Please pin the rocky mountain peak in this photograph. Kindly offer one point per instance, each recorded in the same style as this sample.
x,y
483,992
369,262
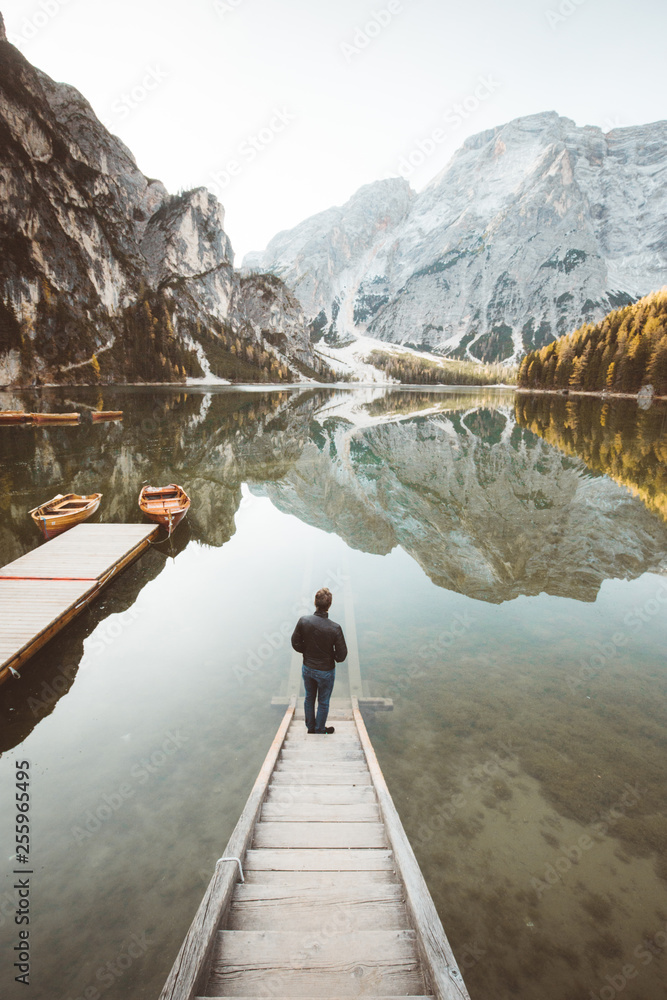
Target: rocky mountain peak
x,y
531,229
3,33
105,276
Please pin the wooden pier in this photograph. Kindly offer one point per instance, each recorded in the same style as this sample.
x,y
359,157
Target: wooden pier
x,y
318,893
43,590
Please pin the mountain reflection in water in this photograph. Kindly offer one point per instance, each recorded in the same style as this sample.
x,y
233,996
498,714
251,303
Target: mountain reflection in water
x,y
619,439
503,555
462,481
483,505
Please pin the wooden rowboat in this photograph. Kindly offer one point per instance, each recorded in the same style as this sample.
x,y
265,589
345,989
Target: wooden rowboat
x,y
107,414
55,418
64,511
167,505
14,417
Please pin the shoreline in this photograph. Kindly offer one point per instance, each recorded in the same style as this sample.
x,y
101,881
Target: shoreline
x,y
273,386
601,394
253,385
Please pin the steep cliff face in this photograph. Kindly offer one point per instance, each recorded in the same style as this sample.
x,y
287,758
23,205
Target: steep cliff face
x,y
327,254
531,229
265,308
104,276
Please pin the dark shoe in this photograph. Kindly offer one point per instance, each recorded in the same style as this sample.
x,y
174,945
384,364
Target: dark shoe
x,y
329,729
312,731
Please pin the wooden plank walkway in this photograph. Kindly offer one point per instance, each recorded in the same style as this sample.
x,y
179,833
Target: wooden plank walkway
x,y
43,590
333,903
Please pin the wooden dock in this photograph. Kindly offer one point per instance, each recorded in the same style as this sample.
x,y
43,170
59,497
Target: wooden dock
x,y
43,590
331,902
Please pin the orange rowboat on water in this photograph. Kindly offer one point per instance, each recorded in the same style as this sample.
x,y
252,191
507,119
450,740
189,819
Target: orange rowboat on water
x,y
107,414
167,505
64,511
56,418
14,417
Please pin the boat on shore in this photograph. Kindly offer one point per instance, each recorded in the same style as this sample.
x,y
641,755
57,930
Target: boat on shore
x,y
15,417
166,505
63,511
107,414
55,418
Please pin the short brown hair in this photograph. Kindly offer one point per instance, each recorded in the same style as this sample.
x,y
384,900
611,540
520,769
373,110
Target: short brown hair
x,y
323,599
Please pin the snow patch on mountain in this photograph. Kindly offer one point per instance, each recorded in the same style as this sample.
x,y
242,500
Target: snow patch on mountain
x,y
532,228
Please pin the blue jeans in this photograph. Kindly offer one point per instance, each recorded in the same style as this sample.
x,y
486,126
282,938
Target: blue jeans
x,y
317,683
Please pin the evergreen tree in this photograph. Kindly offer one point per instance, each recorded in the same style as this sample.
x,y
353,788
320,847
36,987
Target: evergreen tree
x,y
564,367
616,354
656,373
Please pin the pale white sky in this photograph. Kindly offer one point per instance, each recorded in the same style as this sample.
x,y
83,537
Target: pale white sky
x,y
306,101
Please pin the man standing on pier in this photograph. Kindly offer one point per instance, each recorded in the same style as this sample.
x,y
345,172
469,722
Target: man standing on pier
x,y
323,646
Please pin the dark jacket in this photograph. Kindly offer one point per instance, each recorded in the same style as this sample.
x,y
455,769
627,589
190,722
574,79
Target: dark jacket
x,y
320,640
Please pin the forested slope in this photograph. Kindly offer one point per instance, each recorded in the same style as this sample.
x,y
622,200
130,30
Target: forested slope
x,y
622,353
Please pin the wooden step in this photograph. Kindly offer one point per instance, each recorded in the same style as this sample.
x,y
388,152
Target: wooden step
x,y
290,775
344,731
307,758
341,726
338,751
307,812
324,794
382,963
323,757
321,744
327,744
304,770
350,859
296,881
366,906
304,760
319,835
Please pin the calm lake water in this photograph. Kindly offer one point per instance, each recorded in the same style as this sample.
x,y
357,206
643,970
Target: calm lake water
x,y
505,561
